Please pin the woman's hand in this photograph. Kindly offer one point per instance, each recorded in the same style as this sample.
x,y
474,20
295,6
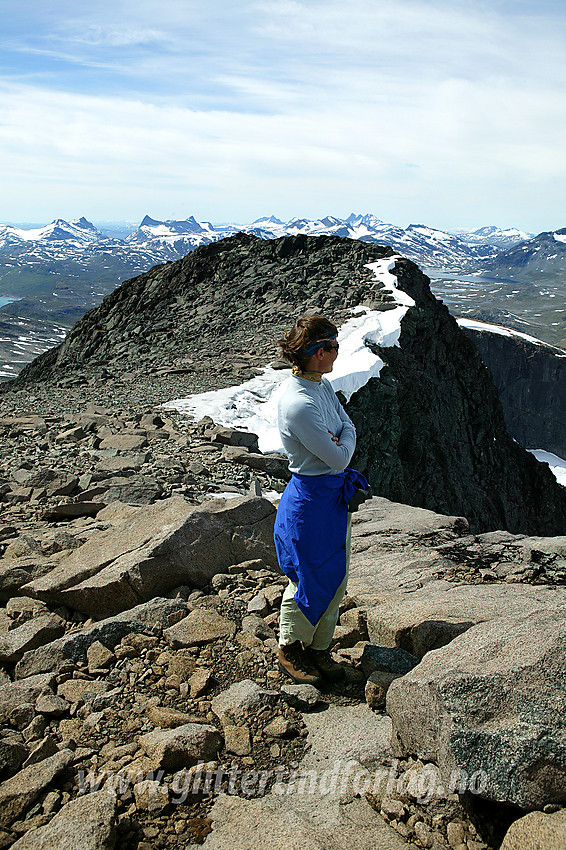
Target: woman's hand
x,y
335,439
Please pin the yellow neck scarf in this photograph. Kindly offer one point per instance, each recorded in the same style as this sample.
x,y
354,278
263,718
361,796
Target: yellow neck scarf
x,y
310,376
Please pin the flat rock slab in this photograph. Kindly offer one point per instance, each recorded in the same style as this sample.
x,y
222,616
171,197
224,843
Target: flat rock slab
x,y
508,556
379,516
237,824
389,554
30,635
75,690
399,557
23,424
431,616
324,815
149,618
158,548
72,510
20,792
273,464
113,465
125,442
493,700
140,490
86,823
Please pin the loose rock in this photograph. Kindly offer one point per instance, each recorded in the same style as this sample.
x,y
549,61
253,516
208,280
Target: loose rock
x,y
173,749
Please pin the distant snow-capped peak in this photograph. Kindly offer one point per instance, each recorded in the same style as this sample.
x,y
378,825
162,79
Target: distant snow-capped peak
x,y
497,236
80,230
268,220
160,228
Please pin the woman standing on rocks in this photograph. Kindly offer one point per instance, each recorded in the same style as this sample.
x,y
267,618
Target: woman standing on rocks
x,y
312,527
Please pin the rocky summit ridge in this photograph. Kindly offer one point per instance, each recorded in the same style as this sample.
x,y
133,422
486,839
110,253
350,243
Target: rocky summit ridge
x,y
140,704
138,632
431,430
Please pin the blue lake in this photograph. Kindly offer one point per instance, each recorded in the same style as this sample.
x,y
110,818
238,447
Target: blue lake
x,y
4,300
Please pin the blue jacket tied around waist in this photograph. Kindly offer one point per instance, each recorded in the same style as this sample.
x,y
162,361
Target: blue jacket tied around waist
x,y
310,536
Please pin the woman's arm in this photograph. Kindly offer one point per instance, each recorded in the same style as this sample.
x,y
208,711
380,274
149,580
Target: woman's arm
x,y
348,427
310,429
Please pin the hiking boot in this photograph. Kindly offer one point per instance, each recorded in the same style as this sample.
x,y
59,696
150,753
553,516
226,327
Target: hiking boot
x,y
293,662
322,660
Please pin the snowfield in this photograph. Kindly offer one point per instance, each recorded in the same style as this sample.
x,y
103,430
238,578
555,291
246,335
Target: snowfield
x,y
252,406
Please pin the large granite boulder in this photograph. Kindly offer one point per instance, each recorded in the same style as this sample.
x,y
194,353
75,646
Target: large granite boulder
x,y
493,700
156,549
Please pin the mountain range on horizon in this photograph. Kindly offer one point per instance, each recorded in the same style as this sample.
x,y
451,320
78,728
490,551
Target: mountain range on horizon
x,y
62,269
162,240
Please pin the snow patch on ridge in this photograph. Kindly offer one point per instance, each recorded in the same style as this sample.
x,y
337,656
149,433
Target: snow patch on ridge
x,y
501,331
557,464
252,406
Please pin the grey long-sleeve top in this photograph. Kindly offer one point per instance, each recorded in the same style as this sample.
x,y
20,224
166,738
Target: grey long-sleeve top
x,y
308,410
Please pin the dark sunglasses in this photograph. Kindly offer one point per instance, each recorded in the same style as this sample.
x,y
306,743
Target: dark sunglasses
x,y
328,346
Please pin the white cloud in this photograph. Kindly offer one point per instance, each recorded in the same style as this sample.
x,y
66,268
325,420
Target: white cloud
x,y
448,112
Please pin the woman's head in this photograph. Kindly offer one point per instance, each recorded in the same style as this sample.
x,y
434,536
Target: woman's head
x,y
300,343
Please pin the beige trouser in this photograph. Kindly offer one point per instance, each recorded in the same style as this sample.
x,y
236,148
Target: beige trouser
x,y
293,625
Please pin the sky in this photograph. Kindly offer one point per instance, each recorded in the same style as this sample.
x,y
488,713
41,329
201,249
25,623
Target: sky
x,y
419,111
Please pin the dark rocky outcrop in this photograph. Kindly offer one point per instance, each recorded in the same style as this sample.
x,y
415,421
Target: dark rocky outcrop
x,y
431,430
531,380
224,300
538,258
